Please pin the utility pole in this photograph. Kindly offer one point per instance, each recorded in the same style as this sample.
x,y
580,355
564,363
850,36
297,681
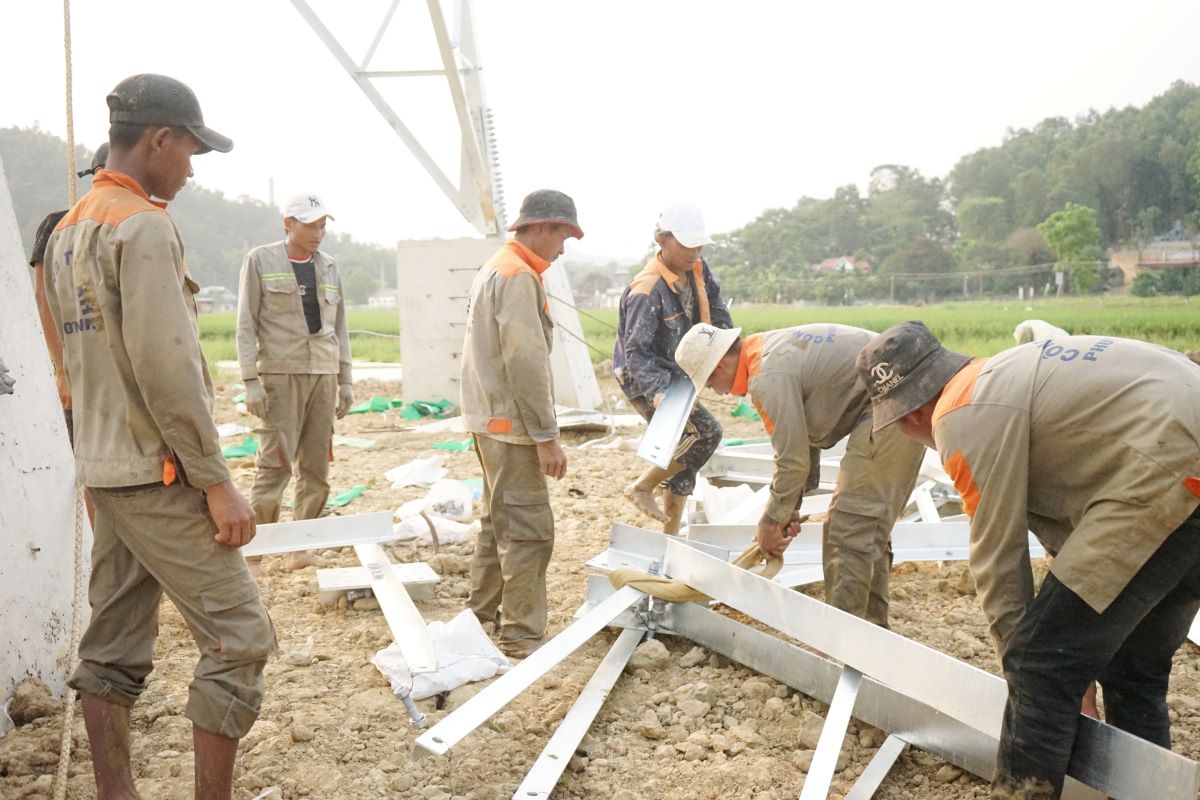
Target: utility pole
x,y
892,296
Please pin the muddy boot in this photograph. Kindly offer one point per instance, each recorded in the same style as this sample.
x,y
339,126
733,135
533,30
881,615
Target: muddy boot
x,y
641,491
674,505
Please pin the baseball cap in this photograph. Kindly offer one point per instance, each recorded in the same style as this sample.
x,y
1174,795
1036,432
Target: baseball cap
x,y
305,207
547,205
98,161
150,99
685,223
903,368
702,348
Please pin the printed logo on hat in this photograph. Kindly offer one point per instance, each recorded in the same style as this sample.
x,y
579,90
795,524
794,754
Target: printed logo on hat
x,y
884,377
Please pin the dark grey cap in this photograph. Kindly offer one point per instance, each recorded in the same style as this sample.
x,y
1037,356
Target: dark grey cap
x,y
547,205
903,368
150,99
98,161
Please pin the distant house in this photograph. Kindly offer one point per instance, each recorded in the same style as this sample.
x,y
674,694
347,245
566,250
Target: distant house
x,y
215,298
384,298
842,264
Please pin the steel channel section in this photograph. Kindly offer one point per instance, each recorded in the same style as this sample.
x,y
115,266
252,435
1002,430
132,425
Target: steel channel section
x,y
470,715
666,426
409,630
640,549
833,733
544,774
881,764
1117,763
310,534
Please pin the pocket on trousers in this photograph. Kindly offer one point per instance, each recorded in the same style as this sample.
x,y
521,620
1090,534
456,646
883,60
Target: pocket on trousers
x,y
530,517
239,621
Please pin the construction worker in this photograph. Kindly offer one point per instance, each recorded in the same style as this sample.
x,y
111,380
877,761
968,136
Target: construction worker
x,y
1093,443
508,406
805,386
169,519
294,354
674,291
49,330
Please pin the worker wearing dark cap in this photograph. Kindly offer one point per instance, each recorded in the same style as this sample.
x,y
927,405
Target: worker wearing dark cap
x,y
1093,443
168,517
508,406
49,331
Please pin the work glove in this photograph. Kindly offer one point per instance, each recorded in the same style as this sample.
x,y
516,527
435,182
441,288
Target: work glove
x,y
345,399
256,398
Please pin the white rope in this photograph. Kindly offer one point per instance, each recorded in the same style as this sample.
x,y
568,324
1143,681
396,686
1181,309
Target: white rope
x,y
64,748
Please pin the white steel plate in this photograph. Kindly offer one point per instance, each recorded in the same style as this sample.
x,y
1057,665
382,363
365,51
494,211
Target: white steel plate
x,y
314,534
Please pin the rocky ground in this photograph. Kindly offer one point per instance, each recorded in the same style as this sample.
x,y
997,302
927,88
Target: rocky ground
x,y
331,728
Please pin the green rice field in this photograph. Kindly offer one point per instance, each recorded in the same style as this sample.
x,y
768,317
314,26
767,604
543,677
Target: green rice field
x,y
978,329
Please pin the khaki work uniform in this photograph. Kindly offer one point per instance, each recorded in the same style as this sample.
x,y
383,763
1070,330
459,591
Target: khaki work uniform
x,y
508,404
804,384
145,445
300,372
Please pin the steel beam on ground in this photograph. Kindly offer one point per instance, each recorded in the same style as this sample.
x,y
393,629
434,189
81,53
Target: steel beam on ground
x,y
881,764
418,578
1194,632
1117,763
666,426
470,715
639,549
544,774
833,734
312,534
409,630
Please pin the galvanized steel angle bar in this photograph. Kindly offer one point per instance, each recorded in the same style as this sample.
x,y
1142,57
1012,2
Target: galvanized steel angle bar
x,y
409,630
310,534
833,733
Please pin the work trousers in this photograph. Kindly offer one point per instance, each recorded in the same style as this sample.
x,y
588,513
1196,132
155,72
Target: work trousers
x,y
1060,645
508,571
876,478
701,437
150,541
298,430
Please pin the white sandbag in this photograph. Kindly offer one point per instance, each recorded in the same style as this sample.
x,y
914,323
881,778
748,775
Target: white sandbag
x,y
419,472
464,654
446,498
415,529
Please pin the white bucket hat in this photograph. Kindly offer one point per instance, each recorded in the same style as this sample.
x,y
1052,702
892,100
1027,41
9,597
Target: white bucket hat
x,y
305,207
701,349
686,224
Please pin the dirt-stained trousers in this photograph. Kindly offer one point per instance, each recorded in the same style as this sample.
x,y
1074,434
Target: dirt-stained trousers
x,y
298,430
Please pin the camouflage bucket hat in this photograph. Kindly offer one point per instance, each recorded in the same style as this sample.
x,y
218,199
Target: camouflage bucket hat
x,y
903,368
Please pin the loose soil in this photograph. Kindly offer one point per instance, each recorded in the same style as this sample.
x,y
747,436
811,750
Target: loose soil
x,y
331,728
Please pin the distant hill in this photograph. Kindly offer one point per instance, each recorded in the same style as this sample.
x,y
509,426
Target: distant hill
x,y
217,231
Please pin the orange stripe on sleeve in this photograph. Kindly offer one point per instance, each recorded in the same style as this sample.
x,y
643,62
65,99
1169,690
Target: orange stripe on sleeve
x,y
964,481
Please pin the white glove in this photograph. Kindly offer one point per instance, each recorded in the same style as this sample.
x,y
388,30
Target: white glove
x,y
345,400
256,398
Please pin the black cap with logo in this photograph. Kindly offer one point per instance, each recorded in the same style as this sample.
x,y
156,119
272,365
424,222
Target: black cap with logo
x,y
547,205
150,99
904,368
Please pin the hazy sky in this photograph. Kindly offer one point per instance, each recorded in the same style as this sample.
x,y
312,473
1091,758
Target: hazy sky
x,y
627,106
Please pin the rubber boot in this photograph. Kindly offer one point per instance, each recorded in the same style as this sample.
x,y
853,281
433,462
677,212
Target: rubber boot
x,y
641,491
675,505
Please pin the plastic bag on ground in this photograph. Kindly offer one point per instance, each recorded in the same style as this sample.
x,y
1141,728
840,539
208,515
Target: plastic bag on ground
x,y
419,472
464,654
720,501
415,529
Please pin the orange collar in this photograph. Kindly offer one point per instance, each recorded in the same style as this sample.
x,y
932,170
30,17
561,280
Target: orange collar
x,y
670,277
535,262
741,379
958,390
107,177
749,364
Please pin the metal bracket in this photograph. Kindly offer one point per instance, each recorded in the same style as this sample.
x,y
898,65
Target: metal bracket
x,y
666,426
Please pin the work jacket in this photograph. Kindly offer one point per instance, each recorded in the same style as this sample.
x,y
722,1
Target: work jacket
x,y
804,385
651,321
272,332
506,384
119,292
1092,443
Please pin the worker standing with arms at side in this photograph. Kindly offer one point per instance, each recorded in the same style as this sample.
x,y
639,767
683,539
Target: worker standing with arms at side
x,y
674,291
168,517
1093,443
508,407
805,386
294,355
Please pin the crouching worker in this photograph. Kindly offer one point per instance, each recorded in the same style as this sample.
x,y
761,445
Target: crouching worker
x,y
1093,443
806,389
168,518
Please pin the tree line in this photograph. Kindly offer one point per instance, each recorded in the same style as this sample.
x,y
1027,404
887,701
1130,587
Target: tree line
x,y
217,231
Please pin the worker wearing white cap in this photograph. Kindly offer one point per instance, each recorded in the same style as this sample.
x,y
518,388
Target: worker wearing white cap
x,y
674,291
294,355
805,386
